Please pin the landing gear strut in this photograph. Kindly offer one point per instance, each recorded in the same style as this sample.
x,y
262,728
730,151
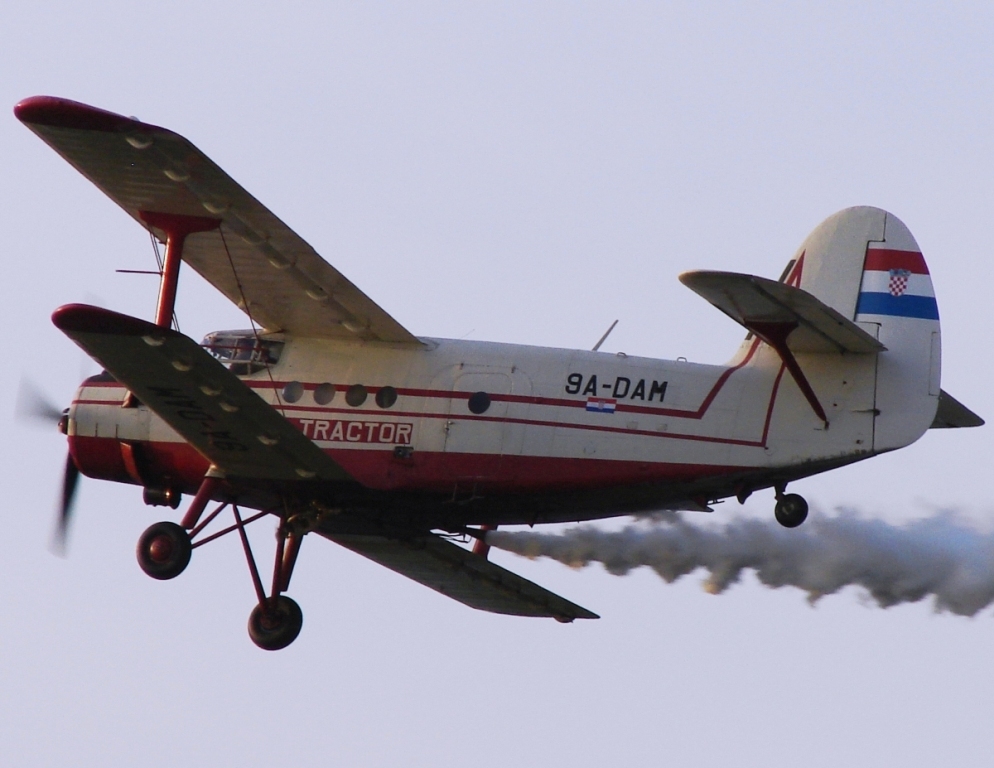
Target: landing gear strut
x,y
791,509
276,620
165,548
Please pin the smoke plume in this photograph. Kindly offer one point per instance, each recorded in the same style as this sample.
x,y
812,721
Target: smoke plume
x,y
938,556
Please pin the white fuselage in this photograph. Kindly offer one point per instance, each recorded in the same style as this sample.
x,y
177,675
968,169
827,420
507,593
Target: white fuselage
x,y
553,419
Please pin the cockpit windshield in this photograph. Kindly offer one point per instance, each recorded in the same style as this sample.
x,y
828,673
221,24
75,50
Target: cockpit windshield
x,y
243,352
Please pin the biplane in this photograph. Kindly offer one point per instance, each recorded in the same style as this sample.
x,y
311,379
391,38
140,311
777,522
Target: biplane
x,y
328,417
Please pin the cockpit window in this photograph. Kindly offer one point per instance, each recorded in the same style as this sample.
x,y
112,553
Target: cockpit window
x,y
242,351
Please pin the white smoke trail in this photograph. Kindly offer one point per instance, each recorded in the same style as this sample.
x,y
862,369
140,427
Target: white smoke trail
x,y
937,556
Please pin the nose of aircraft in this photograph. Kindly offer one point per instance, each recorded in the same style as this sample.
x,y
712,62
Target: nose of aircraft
x,y
33,404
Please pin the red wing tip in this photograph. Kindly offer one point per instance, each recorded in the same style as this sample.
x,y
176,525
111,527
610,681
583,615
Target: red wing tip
x,y
82,318
63,113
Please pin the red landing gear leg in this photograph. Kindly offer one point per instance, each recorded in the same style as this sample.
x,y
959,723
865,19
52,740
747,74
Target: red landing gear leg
x,y
276,620
164,549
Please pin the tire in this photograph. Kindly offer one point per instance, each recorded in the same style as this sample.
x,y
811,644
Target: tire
x,y
164,551
791,510
274,628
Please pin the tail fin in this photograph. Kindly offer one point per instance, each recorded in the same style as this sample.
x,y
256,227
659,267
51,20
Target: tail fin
x,y
864,263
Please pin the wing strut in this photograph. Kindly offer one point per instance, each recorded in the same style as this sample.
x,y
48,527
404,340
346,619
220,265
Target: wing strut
x,y
775,334
176,227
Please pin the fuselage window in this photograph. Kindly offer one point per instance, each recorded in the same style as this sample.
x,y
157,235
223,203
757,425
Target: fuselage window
x,y
356,395
324,393
386,397
293,391
479,402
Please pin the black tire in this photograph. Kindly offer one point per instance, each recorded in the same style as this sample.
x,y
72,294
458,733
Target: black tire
x,y
791,510
164,551
273,628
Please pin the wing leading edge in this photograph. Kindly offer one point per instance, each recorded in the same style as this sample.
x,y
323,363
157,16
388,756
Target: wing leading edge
x,y
253,258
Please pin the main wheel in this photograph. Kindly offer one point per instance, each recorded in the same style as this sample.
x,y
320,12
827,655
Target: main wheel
x,y
275,627
164,550
791,510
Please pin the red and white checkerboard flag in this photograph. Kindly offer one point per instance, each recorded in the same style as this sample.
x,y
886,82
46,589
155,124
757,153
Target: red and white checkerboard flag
x,y
898,283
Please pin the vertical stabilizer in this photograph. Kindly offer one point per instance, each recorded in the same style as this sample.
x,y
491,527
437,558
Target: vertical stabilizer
x,y
864,263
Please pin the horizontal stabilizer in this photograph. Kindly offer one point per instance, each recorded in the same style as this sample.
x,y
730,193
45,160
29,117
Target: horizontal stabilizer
x,y
462,575
757,303
197,396
952,414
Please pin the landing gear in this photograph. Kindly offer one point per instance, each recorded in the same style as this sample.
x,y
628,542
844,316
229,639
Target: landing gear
x,y
791,509
164,550
275,623
276,619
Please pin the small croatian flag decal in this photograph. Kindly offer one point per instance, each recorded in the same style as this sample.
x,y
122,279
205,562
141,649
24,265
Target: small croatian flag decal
x,y
601,404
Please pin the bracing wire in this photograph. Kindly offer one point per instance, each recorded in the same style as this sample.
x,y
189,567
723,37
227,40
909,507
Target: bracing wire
x,y
255,328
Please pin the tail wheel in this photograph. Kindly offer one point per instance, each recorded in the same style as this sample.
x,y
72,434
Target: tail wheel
x,y
275,624
791,510
164,550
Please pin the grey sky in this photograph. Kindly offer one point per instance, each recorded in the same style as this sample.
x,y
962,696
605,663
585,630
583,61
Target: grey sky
x,y
514,172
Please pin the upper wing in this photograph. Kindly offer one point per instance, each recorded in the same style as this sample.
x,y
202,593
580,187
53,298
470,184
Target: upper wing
x,y
754,301
952,413
194,394
150,170
462,575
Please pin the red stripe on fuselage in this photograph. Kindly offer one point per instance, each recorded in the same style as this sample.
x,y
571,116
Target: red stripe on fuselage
x,y
438,471
180,466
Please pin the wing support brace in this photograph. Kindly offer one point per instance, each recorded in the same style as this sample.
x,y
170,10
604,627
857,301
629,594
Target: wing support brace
x,y
775,334
176,227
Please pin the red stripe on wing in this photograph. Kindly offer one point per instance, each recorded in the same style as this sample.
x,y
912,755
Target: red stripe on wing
x,y
63,113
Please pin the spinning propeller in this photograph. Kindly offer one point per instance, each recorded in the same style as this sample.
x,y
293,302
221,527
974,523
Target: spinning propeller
x,y
31,403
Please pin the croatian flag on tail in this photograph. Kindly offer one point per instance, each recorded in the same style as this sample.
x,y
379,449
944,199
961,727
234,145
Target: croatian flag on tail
x,y
896,283
601,404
